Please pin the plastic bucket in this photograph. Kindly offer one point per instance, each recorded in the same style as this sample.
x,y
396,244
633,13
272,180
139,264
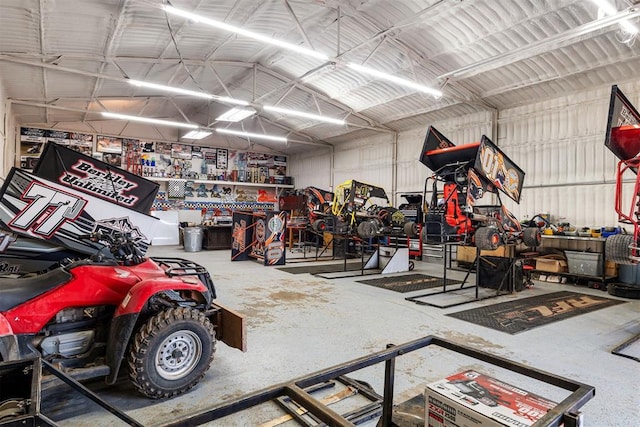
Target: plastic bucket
x,y
193,239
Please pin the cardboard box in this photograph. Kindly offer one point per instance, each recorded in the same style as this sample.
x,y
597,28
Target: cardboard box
x,y
472,399
551,263
468,253
610,269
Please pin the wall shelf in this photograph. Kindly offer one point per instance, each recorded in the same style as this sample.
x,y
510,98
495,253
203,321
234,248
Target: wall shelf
x,y
234,183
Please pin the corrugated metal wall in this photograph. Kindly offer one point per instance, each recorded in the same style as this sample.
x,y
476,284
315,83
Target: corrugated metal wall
x,y
311,168
367,159
559,143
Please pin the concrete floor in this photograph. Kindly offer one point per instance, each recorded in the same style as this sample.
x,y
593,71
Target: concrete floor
x,y
299,324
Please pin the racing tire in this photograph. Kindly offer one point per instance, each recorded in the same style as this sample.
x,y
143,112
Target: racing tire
x,y
617,248
624,290
487,238
367,229
171,352
531,237
411,229
319,225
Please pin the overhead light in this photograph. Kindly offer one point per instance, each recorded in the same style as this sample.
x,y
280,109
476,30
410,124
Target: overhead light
x,y
196,134
301,114
251,135
608,9
395,79
221,25
149,120
236,114
181,91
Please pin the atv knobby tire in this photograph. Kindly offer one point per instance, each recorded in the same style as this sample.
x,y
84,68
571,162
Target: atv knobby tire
x,y
617,248
487,238
171,352
531,237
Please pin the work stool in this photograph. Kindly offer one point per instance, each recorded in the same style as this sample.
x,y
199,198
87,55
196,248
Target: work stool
x,y
527,270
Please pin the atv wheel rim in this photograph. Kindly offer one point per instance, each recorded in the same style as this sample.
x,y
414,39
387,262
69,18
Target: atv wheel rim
x,y
178,355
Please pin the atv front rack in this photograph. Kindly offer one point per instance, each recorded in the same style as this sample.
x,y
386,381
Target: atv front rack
x,y
183,267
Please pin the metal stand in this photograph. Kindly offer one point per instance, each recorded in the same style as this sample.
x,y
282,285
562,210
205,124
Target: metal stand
x,y
474,266
565,411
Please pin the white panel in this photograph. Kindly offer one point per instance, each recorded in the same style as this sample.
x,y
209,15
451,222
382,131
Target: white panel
x,y
559,143
367,159
311,169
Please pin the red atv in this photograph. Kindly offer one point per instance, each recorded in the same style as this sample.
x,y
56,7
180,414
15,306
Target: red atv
x,y
88,317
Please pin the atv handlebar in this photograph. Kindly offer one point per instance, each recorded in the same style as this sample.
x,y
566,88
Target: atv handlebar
x,y
120,244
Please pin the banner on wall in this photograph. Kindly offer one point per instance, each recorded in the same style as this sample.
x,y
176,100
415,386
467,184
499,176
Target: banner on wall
x,y
92,176
38,208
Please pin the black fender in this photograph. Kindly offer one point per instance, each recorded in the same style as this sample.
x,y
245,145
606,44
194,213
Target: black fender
x,y
119,334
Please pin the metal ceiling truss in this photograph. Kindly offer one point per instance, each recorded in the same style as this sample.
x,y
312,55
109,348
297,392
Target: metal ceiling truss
x,y
567,38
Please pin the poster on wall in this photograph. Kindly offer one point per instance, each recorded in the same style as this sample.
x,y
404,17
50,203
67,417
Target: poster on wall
x,y
209,156
32,135
31,142
113,159
57,136
163,148
81,142
196,152
181,151
222,157
108,144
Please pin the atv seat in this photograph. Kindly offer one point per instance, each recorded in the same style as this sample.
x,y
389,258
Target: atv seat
x,y
14,292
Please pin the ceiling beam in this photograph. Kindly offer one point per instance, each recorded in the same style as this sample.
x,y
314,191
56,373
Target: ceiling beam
x,y
311,141
117,28
41,41
80,72
558,41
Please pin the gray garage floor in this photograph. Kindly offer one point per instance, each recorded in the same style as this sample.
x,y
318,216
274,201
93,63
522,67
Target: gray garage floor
x,y
298,324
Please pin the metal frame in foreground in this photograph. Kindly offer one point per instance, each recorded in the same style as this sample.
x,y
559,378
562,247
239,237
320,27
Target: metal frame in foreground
x,y
565,412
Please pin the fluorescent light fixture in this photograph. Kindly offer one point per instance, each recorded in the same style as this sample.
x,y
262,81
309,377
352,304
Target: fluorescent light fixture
x,y
251,135
610,9
301,114
236,114
196,134
149,120
394,79
221,25
180,91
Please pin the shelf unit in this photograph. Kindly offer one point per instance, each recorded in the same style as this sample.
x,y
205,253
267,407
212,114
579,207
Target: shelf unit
x,y
215,182
578,243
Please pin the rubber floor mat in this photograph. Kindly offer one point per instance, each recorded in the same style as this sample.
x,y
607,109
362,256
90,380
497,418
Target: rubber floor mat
x,y
527,313
408,282
327,268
